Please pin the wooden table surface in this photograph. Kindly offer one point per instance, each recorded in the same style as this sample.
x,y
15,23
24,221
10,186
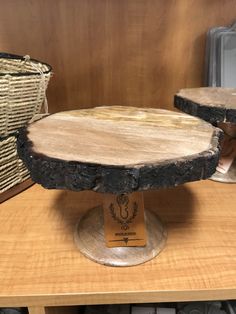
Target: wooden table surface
x,y
40,265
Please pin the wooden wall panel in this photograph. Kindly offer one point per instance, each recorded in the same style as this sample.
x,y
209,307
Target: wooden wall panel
x,y
133,52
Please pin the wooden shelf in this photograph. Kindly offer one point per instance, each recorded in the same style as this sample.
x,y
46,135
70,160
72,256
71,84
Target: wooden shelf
x,y
15,190
40,265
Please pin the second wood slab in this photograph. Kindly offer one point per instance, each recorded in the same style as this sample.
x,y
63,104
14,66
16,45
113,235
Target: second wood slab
x,y
212,104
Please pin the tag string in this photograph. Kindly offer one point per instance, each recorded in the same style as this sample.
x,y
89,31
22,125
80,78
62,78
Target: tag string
x,y
43,81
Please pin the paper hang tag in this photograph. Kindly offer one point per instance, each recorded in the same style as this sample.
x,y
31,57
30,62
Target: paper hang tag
x,y
228,154
124,220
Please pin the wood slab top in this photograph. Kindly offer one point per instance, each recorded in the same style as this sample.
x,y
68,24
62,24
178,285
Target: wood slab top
x,y
213,104
119,138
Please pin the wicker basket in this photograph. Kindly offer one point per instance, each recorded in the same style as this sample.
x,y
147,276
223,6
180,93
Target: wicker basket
x,y
23,83
12,169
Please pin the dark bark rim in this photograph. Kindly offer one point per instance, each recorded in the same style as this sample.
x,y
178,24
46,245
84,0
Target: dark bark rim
x,y
205,112
207,159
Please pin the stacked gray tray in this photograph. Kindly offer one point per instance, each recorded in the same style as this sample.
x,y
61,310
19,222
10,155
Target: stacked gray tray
x,y
221,57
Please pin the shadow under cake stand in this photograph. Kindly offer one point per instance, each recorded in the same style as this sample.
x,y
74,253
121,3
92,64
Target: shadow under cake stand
x,y
218,106
119,152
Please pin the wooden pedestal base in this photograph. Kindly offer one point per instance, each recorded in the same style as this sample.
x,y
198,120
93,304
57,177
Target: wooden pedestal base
x,y
91,240
229,177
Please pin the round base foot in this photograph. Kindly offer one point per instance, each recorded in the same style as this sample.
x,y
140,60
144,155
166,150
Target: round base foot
x,y
89,238
229,177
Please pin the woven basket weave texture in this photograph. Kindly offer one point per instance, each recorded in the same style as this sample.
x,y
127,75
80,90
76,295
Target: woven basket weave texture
x,y
23,84
12,169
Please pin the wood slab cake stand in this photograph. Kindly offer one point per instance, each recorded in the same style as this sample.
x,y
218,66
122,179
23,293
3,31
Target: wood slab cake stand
x,y
218,106
119,152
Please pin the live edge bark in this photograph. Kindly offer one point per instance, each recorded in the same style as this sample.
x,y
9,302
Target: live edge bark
x,y
212,114
72,175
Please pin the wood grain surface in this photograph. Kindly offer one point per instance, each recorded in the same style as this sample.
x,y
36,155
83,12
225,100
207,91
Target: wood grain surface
x,y
40,264
120,136
118,149
108,52
213,104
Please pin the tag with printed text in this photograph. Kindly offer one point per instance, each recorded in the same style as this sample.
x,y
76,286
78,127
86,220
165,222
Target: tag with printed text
x,y
124,220
228,154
